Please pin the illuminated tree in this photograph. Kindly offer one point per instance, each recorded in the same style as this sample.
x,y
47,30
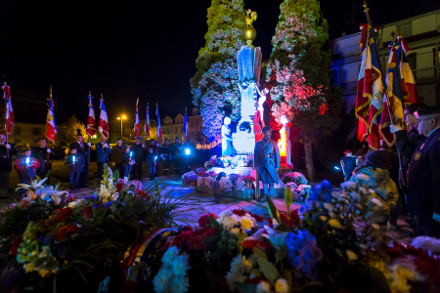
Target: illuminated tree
x,y
215,85
298,73
70,129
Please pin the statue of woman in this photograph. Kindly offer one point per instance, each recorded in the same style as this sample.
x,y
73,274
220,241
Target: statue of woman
x,y
259,115
227,146
284,141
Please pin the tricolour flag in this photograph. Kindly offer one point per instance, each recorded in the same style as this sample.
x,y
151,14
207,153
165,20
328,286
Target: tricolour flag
x,y
8,105
147,120
51,125
137,127
91,121
369,100
103,119
185,125
401,88
159,129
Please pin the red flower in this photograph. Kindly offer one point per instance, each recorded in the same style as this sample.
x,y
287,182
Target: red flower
x,y
253,243
15,245
204,220
87,212
294,219
239,213
194,239
323,109
119,187
253,280
63,214
65,231
182,238
187,228
67,199
257,218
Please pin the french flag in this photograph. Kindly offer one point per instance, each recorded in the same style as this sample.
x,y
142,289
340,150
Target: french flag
x,y
159,129
51,125
9,112
137,128
91,121
147,120
103,119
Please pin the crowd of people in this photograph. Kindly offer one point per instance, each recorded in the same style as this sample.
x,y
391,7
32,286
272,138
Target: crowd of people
x,y
126,159
404,177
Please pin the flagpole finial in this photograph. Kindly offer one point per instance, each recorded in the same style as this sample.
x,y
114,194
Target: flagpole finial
x,y
90,93
102,96
366,9
51,91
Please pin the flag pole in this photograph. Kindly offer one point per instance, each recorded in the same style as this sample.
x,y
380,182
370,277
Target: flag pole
x,y
90,95
6,127
390,113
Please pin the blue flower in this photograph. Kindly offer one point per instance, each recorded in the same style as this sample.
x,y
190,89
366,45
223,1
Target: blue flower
x,y
303,253
108,204
95,206
320,194
91,198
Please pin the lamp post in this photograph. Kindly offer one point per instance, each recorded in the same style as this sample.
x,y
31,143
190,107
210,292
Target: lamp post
x,y
122,118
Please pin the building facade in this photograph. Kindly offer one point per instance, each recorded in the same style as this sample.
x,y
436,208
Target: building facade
x,y
422,34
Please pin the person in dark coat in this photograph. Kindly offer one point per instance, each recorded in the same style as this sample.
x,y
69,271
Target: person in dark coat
x,y
129,161
423,173
155,146
6,153
102,156
138,150
348,163
267,162
117,155
176,153
43,154
26,167
83,149
75,161
165,154
152,160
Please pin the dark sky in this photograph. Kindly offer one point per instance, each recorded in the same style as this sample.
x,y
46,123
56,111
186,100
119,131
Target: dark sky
x,y
130,49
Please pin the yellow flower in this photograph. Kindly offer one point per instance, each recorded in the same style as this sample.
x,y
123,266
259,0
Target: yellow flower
x,y
29,267
246,224
324,218
43,273
335,224
351,255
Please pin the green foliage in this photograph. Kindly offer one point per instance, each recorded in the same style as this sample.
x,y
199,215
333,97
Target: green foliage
x,y
69,130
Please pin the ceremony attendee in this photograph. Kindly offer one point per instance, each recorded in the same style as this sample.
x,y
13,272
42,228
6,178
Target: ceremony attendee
x,y
75,161
138,150
155,146
267,162
128,162
83,149
423,173
152,160
102,156
348,163
165,154
43,154
117,155
176,154
26,167
376,167
5,163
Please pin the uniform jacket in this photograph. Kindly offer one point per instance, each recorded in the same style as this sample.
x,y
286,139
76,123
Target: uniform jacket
x,y
117,154
165,150
138,152
423,177
102,154
5,162
79,163
267,159
83,150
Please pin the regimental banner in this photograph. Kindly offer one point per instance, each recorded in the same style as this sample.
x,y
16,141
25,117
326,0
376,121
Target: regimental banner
x,y
10,123
91,121
51,125
159,129
103,120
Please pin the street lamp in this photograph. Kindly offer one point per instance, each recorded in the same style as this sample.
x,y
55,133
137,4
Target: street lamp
x,y
123,117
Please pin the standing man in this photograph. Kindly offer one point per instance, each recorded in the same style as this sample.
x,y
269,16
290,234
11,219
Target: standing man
x,y
176,153
102,155
117,157
43,154
83,149
138,150
165,154
155,147
5,164
267,162
348,163
423,173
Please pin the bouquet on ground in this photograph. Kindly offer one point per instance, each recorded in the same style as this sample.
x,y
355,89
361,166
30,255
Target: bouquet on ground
x,y
189,177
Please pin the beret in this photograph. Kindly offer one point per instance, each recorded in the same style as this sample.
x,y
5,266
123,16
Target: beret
x,y
427,111
380,159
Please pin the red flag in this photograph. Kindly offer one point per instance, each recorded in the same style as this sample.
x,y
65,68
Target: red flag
x,y
159,129
103,120
91,121
8,105
147,120
137,128
51,126
369,100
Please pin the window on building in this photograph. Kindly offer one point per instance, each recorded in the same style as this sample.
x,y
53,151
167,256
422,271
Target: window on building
x,y
36,131
177,130
192,124
17,130
197,124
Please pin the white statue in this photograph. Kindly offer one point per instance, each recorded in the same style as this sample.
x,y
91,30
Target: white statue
x,y
227,145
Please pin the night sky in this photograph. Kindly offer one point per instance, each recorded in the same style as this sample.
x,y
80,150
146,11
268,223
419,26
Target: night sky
x,y
130,49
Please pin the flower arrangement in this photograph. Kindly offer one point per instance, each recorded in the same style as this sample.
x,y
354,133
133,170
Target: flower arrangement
x,y
211,162
295,177
201,171
189,177
225,184
172,275
226,160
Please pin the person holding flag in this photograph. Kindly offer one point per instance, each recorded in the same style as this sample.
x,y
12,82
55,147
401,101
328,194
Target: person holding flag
x,y
103,119
6,150
137,128
51,125
147,121
159,129
82,148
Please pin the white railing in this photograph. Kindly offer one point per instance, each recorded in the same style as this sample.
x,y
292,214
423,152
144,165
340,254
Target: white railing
x,y
424,73
351,51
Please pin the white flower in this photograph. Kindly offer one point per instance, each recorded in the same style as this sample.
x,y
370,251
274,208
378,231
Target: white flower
x,y
170,255
179,266
161,281
75,203
225,184
239,267
377,202
179,285
55,198
349,185
281,286
427,243
363,177
225,213
263,287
